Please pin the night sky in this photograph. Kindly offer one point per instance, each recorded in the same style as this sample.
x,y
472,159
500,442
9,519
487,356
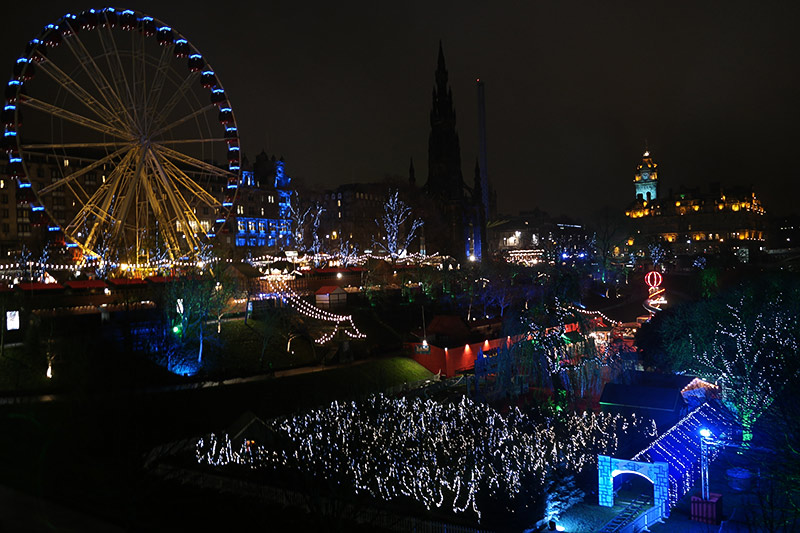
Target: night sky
x,y
343,89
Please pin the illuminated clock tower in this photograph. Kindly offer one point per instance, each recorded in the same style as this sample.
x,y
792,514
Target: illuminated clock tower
x,y
646,179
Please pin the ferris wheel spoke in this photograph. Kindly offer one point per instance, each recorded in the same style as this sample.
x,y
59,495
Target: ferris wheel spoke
x,y
99,80
100,203
159,77
78,173
127,194
75,118
139,78
183,212
91,208
183,119
176,96
190,141
180,177
75,89
192,223
74,145
166,226
189,160
117,69
180,207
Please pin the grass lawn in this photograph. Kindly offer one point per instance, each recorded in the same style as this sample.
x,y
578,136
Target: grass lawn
x,y
20,371
240,348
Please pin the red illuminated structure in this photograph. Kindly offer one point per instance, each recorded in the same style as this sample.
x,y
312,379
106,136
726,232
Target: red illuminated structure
x,y
655,297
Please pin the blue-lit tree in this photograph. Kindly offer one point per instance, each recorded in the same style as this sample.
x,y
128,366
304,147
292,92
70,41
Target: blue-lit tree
x,y
107,256
299,219
41,264
348,252
316,219
393,238
657,253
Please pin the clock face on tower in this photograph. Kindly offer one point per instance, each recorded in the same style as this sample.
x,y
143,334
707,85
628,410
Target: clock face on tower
x,y
645,175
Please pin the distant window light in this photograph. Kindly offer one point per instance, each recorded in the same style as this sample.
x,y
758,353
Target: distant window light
x,y
66,162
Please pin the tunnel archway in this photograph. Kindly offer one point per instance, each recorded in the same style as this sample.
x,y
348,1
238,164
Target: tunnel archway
x,y
656,473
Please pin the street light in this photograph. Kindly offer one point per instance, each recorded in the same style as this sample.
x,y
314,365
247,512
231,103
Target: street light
x,y
705,443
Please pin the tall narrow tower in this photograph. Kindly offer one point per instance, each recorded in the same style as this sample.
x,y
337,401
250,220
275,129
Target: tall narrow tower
x,y
445,185
645,181
482,147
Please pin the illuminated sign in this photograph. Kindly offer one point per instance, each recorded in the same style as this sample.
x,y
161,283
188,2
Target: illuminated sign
x,y
12,320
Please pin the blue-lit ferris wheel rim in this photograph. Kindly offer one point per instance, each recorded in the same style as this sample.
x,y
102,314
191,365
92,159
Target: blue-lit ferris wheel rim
x,y
128,20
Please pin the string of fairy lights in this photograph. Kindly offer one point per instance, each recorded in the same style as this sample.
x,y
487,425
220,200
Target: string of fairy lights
x,y
335,260
679,447
456,454
595,314
340,260
345,322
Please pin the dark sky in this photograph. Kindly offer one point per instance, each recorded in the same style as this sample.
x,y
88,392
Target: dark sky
x,y
343,89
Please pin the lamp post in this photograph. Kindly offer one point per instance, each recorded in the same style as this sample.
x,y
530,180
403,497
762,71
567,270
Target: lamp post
x,y
705,443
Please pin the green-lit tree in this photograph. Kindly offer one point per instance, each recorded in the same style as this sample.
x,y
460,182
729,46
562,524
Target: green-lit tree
x,y
751,354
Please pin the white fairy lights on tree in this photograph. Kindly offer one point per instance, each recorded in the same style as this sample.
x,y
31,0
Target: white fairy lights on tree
x,y
392,224
316,220
748,357
456,453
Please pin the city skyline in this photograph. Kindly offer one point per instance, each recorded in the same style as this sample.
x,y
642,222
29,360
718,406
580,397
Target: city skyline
x,y
573,93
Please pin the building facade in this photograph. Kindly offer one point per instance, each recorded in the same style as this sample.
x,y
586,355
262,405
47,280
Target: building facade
x,y
262,209
695,221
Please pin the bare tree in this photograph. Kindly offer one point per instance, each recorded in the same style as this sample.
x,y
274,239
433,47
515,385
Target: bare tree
x,y
391,225
348,252
300,218
316,218
189,302
609,225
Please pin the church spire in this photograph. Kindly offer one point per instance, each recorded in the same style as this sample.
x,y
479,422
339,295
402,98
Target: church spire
x,y
441,69
445,184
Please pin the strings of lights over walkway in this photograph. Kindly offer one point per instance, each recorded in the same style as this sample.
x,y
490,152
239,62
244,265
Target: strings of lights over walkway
x,y
457,455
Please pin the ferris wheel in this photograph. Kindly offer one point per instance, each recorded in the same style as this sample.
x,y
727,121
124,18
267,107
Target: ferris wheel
x,y
129,148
